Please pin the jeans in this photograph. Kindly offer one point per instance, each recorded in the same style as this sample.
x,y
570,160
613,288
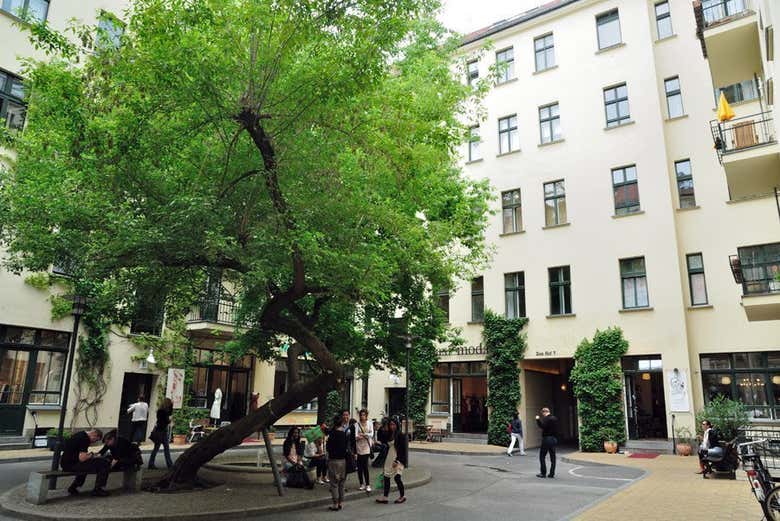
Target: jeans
x,y
548,446
519,439
99,466
362,469
137,431
166,452
337,473
321,466
397,482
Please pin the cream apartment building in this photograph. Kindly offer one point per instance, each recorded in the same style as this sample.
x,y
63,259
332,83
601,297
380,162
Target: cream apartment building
x,y
615,209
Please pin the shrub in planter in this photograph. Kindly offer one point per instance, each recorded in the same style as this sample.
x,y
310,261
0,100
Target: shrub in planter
x,y
684,447
727,417
51,438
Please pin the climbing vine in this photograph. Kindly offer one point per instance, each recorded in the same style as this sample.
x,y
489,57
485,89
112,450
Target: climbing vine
x,y
598,388
506,347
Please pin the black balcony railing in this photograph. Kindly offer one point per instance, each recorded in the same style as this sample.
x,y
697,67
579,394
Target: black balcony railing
x,y
757,269
218,311
718,10
743,133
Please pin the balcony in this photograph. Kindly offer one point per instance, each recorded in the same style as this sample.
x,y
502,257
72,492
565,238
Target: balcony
x,y
212,317
728,30
757,270
748,150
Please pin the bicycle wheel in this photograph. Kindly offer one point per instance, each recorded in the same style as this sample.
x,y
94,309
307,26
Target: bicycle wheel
x,y
771,505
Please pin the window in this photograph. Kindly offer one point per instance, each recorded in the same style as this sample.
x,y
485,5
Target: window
x,y
35,9
752,378
474,140
472,71
478,299
682,169
508,137
13,109
443,302
554,203
505,60
716,10
608,29
514,292
364,393
634,282
616,105
512,211
674,102
696,282
440,395
109,32
47,382
663,20
549,123
544,51
148,311
769,36
737,92
560,290
760,268
625,189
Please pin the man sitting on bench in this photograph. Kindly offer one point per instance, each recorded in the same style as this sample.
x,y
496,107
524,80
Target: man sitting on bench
x,y
77,458
125,455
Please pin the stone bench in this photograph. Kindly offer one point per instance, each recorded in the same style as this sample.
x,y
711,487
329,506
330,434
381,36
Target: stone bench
x,y
38,482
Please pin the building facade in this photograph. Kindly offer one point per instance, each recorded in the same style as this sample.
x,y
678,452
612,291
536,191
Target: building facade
x,y
614,208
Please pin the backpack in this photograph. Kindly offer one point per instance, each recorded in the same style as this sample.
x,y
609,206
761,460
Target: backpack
x,y
509,428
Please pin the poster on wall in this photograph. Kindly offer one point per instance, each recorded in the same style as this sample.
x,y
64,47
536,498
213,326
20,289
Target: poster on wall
x,y
678,390
175,388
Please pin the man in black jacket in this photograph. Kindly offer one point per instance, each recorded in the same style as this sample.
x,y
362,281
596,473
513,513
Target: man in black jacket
x,y
709,441
77,458
124,453
549,425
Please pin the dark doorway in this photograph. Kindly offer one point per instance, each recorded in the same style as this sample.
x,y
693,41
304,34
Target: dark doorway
x,y
645,402
471,409
134,385
396,400
548,384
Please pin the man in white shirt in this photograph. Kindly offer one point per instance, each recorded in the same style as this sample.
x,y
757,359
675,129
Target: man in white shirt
x,y
140,412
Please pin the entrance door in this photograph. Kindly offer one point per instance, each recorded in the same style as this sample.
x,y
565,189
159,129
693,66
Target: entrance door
x,y
237,397
396,399
14,365
457,406
134,385
645,405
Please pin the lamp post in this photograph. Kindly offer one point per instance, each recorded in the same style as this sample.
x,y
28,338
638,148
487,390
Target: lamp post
x,y
408,346
79,306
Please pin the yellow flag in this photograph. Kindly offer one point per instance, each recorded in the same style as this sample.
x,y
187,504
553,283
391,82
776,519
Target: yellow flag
x,y
725,112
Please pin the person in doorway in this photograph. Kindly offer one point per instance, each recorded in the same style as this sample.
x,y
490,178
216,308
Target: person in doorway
x,y
517,435
160,434
124,454
315,453
76,457
364,440
336,447
709,440
396,461
140,413
549,425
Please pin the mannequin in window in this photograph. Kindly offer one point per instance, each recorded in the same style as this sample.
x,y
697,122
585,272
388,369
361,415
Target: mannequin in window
x,y
216,407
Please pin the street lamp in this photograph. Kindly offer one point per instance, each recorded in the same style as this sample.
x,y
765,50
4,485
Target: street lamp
x,y
408,346
79,307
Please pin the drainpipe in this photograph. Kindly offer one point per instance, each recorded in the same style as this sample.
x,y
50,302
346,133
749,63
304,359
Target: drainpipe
x,y
674,441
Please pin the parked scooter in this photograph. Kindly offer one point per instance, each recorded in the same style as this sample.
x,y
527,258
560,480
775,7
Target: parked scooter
x,y
722,459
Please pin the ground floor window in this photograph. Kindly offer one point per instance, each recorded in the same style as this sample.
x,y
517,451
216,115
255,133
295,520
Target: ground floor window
x,y
459,389
216,370
752,378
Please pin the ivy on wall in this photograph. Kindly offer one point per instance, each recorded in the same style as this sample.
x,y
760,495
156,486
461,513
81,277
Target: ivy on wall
x,y
506,347
597,380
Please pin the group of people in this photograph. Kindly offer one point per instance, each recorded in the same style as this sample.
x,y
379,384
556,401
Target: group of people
x,y
118,452
549,426
348,445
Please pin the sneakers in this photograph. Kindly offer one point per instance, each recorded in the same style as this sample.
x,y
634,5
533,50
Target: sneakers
x,y
368,488
320,482
540,475
522,453
100,492
362,487
508,453
73,491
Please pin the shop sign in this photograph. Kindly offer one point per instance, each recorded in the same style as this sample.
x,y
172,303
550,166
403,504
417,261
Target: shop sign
x,y
549,352
678,390
462,350
175,387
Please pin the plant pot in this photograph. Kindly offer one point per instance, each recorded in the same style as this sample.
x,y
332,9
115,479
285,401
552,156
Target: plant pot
x,y
684,449
610,447
179,439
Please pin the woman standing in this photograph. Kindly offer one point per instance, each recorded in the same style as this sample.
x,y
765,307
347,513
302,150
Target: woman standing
x,y
159,434
364,439
397,457
337,461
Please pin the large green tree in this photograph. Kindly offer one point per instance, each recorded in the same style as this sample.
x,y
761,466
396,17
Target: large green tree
x,y
303,149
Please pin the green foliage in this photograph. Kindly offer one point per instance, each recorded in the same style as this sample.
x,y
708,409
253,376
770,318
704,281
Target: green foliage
x,y
333,405
727,417
683,434
181,419
39,280
505,349
61,307
597,380
52,433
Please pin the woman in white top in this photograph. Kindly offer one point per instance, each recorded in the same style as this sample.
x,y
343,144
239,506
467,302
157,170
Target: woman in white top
x,y
140,412
364,439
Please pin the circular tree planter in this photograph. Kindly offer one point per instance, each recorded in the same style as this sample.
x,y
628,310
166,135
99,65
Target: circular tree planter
x,y
610,447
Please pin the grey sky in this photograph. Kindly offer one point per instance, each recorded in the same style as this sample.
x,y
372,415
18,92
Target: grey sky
x,y
465,16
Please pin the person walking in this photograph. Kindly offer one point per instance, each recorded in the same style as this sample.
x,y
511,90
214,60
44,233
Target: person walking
x,y
336,447
396,461
364,439
549,425
140,412
76,457
160,435
516,435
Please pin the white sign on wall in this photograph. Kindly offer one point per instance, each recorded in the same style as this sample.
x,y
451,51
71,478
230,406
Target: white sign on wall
x,y
678,390
175,388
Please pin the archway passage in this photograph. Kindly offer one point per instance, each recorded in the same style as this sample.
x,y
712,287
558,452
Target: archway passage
x,y
546,383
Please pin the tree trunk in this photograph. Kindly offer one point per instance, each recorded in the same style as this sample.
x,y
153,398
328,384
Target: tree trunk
x,y
184,473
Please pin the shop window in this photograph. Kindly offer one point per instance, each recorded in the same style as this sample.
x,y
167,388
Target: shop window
x,y
440,395
745,377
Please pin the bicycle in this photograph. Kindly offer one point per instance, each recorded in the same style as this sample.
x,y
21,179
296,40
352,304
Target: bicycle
x,y
760,479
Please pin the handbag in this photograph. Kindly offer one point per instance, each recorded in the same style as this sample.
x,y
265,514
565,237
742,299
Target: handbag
x,y
350,463
371,443
156,436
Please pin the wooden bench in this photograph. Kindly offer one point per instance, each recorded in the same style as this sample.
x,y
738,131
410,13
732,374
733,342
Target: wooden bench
x,y
38,482
437,431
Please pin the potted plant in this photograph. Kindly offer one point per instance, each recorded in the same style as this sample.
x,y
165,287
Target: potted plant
x,y
683,445
181,425
774,285
51,438
610,446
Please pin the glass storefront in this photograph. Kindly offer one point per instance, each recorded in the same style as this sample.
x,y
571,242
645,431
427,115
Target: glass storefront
x,y
459,390
752,378
215,370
